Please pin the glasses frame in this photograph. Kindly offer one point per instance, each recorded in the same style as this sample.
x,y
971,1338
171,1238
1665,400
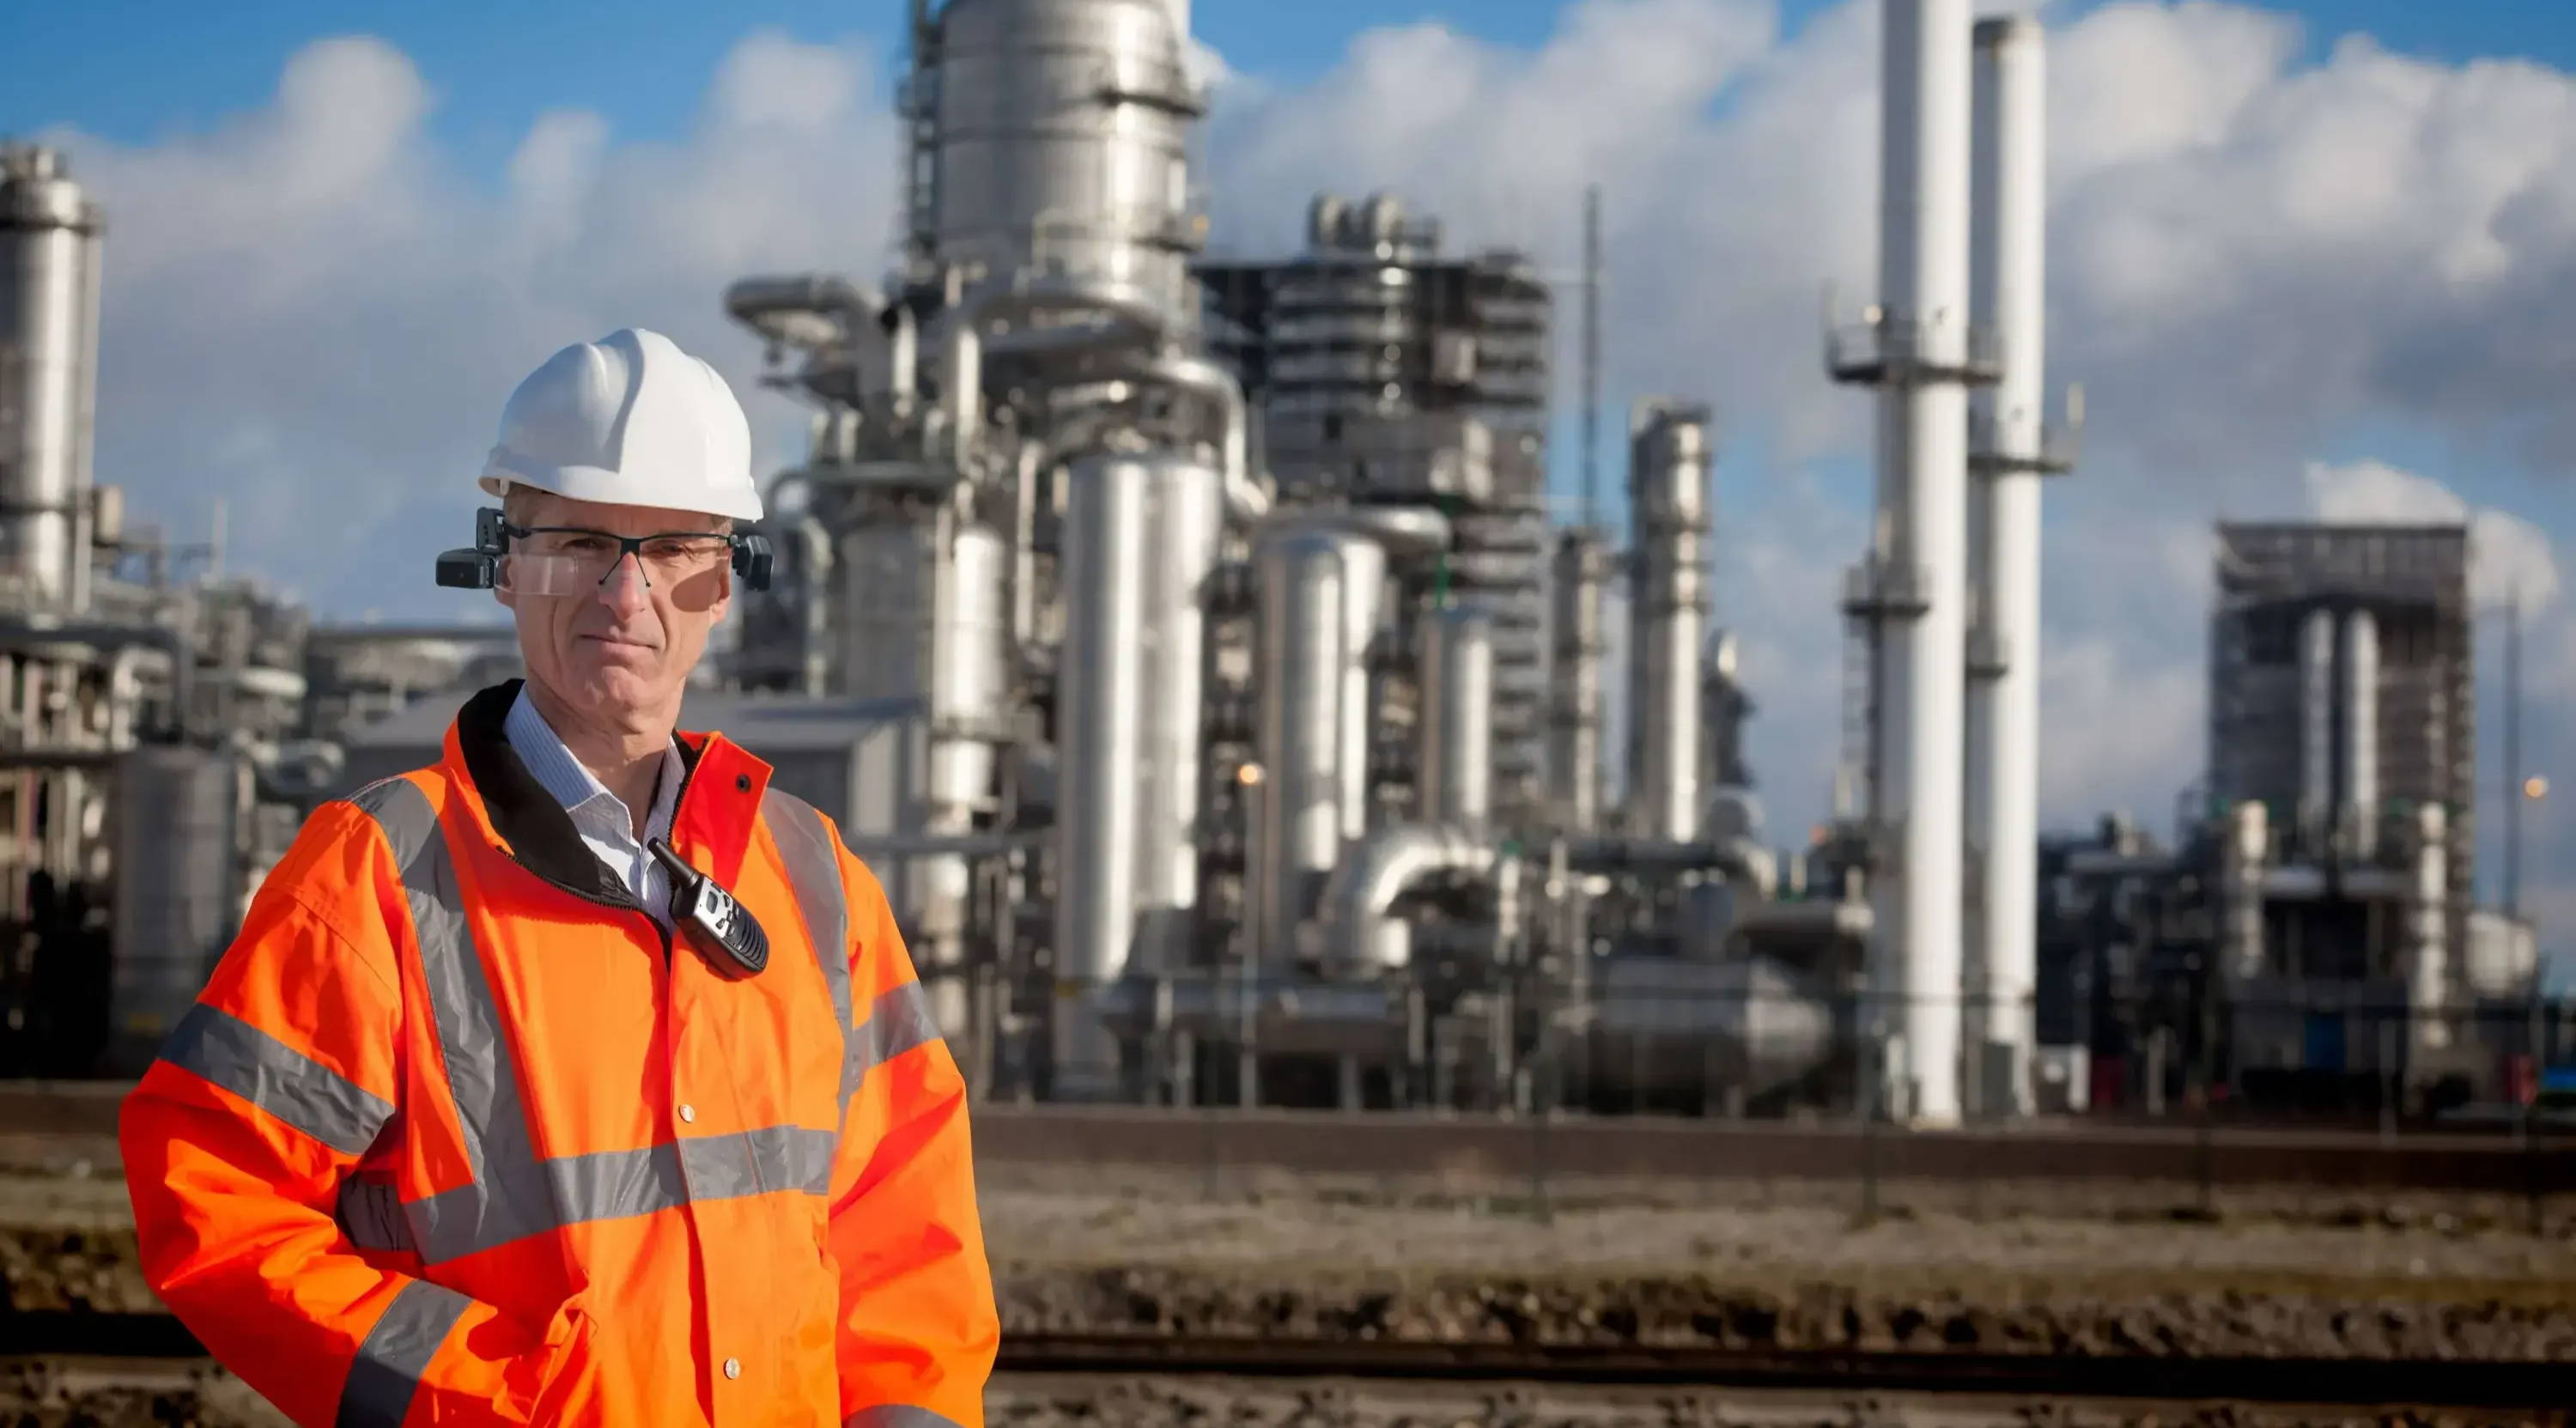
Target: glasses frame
x,y
626,545
478,567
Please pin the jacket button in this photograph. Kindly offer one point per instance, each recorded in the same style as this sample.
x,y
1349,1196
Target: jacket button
x,y
689,1114
733,1368
742,783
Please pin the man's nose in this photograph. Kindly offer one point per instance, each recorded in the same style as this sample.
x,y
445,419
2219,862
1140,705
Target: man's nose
x,y
626,590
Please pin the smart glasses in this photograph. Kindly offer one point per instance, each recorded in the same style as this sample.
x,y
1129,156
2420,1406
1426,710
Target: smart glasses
x,y
573,560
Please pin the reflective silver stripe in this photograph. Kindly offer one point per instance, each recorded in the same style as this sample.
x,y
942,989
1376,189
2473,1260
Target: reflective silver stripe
x,y
618,1184
899,1020
277,1078
898,1415
385,1376
814,876
508,1198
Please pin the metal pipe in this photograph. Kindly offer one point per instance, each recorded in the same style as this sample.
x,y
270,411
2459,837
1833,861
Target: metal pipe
x,y
1323,581
2003,708
814,569
1668,471
2361,732
1456,729
1581,579
2242,864
805,310
1923,415
1099,704
1246,502
2428,929
903,361
1365,937
2316,729
962,389
961,845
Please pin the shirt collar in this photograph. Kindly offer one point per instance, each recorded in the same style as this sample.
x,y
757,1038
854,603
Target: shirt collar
x,y
575,787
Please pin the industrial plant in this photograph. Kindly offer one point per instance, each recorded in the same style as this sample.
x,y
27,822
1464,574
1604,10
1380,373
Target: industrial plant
x,y
1190,648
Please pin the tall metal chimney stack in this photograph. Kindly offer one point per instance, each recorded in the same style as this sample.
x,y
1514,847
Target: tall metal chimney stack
x,y
2011,453
1911,592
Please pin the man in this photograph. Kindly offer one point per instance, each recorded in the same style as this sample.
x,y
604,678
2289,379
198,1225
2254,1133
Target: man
x,y
497,1111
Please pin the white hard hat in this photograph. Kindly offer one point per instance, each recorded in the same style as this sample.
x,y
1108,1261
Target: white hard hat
x,y
629,420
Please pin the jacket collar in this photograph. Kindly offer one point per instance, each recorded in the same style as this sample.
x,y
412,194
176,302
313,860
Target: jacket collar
x,y
719,802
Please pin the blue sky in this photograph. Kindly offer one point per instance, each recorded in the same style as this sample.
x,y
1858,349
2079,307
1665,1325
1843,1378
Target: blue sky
x,y
134,70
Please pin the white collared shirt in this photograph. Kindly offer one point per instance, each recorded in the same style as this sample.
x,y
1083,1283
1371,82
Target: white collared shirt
x,y
606,824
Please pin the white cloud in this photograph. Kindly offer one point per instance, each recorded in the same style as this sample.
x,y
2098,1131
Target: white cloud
x,y
2509,556
310,310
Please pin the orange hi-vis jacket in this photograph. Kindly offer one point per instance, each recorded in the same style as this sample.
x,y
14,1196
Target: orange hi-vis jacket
x,y
457,1134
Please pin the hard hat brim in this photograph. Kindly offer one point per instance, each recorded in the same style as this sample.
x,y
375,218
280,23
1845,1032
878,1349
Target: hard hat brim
x,y
607,488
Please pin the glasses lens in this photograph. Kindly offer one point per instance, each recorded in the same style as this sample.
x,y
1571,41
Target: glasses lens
x,y
679,557
572,562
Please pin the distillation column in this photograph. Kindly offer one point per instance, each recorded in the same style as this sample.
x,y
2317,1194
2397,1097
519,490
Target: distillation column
x,y
2010,244
50,236
1668,471
1916,583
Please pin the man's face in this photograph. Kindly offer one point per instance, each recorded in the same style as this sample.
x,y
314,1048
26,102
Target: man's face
x,y
617,648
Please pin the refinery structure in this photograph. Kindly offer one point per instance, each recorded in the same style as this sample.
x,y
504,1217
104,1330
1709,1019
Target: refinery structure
x,y
1189,648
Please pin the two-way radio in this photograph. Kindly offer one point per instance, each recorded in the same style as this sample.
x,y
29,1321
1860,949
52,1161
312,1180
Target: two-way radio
x,y
712,919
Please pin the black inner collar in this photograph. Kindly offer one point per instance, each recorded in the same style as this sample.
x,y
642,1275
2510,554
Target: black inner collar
x,y
539,833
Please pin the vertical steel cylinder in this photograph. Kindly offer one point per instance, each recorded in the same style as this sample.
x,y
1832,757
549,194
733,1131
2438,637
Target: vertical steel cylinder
x,y
1457,719
1100,704
1189,518
1668,472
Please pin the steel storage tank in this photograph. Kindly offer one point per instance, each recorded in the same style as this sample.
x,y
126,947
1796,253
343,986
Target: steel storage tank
x,y
1099,704
1189,523
1668,475
1457,721
1063,141
49,285
175,892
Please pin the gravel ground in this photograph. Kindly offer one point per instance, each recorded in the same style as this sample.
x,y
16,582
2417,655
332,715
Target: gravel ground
x,y
49,1396
1997,1267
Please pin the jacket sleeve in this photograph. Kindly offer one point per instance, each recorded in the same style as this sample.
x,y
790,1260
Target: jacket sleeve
x,y
918,1328
265,1096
